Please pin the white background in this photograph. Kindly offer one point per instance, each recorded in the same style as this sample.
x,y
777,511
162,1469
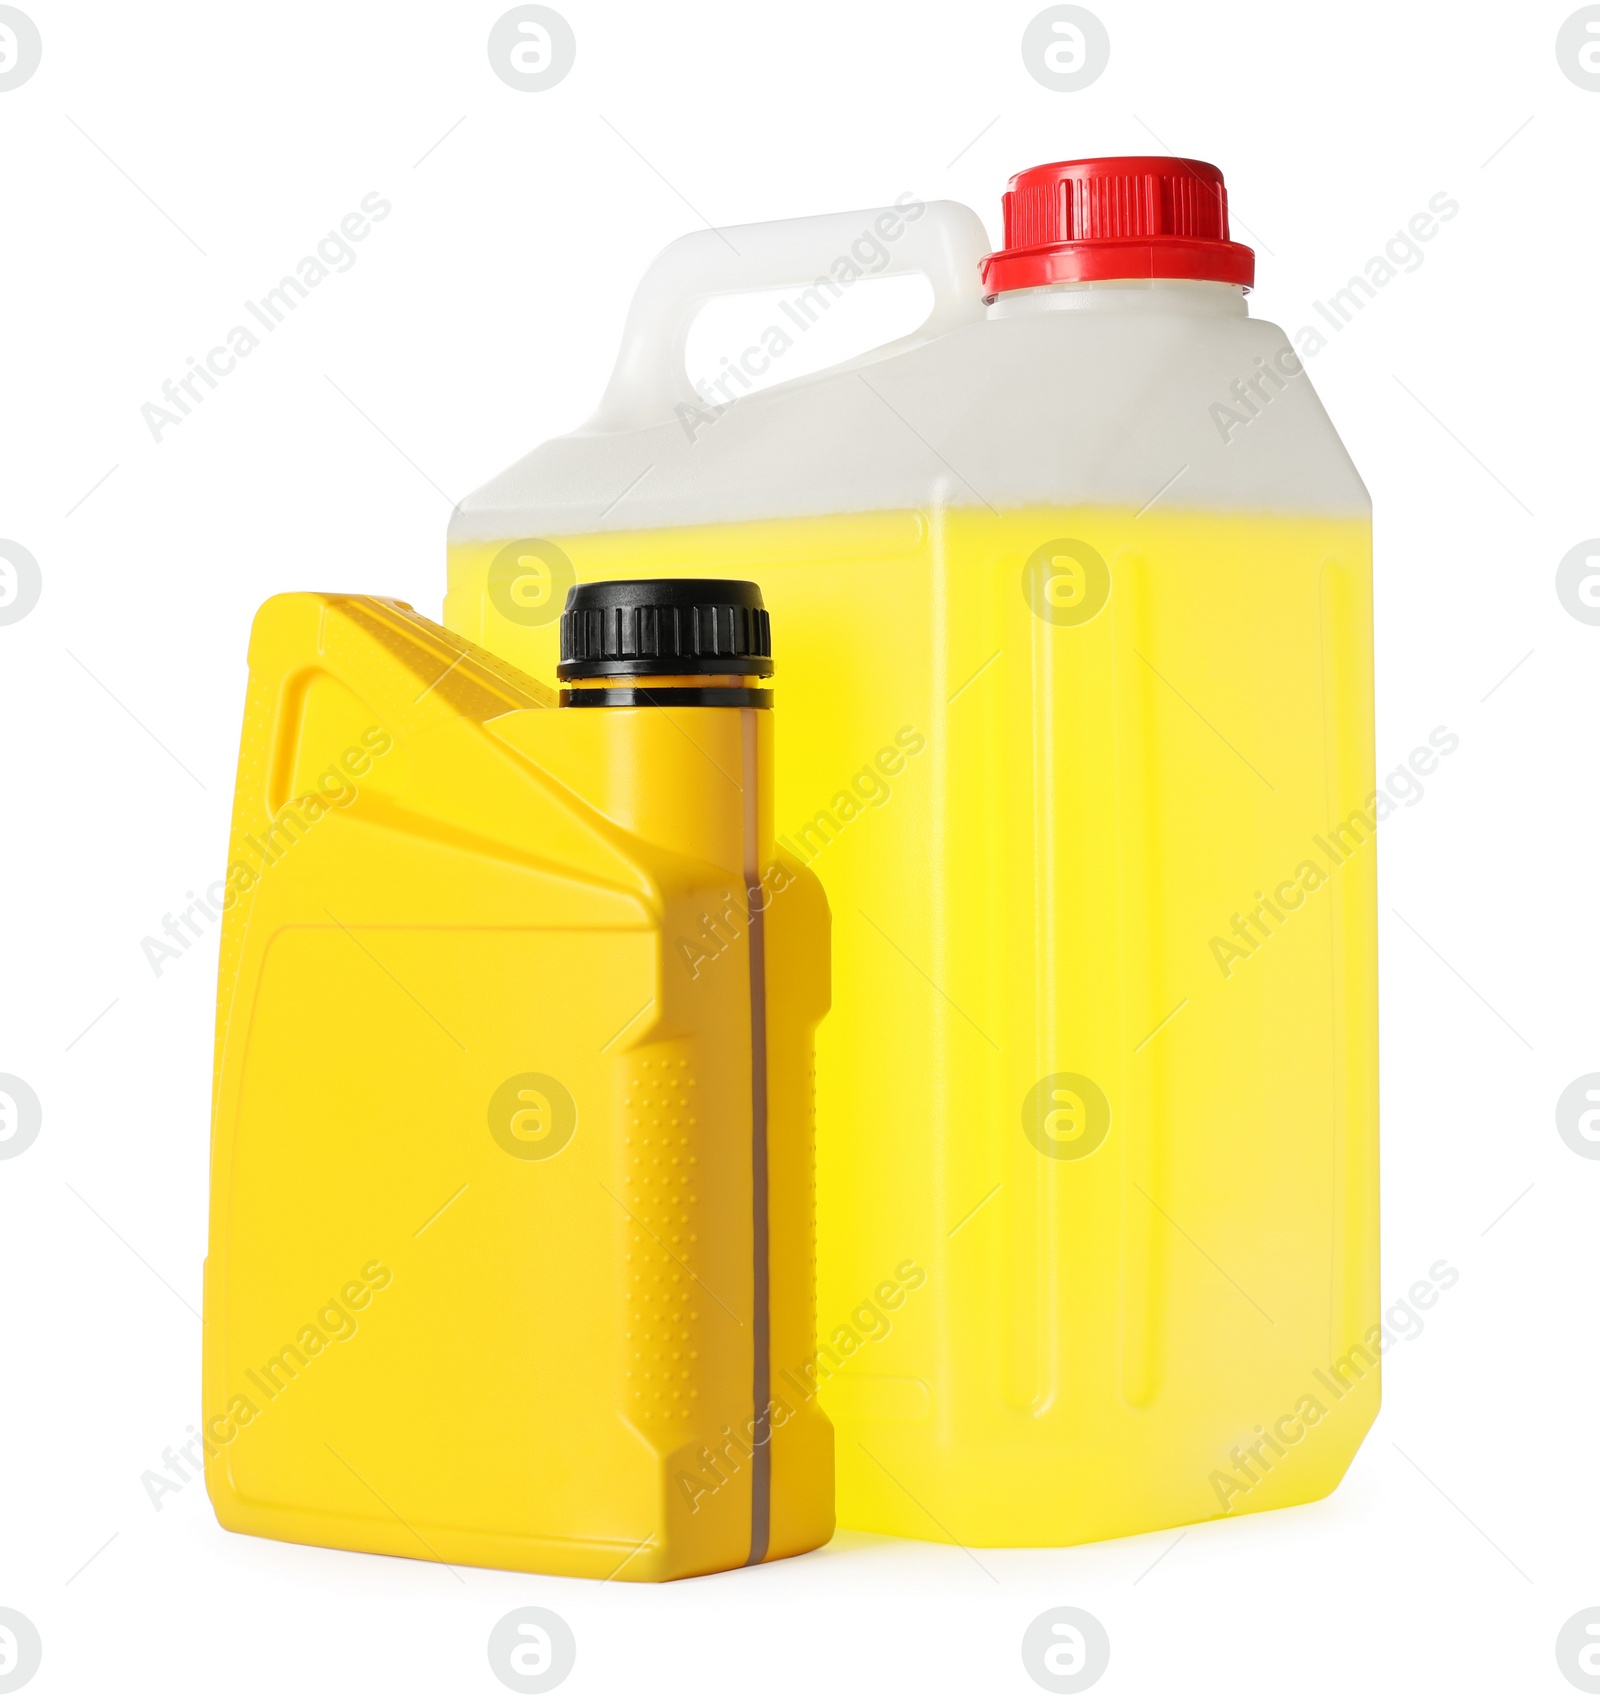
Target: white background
x,y
166,162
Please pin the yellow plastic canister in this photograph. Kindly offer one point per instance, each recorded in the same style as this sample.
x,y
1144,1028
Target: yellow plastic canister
x,y
511,1218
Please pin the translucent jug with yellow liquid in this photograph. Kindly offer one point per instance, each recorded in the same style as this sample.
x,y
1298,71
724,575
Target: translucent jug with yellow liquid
x,y
1075,583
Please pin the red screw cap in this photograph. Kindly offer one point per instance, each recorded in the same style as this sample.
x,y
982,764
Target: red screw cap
x,y
1140,216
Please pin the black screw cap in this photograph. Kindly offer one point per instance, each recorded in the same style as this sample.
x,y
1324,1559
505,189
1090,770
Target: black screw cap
x,y
635,627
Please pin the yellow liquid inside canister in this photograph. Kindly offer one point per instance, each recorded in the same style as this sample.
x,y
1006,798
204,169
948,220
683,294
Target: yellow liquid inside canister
x,y
1090,794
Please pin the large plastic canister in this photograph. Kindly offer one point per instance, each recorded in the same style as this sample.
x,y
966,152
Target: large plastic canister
x,y
511,1212
1075,584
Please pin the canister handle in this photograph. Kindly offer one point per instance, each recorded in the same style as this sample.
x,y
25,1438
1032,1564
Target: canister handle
x,y
944,242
